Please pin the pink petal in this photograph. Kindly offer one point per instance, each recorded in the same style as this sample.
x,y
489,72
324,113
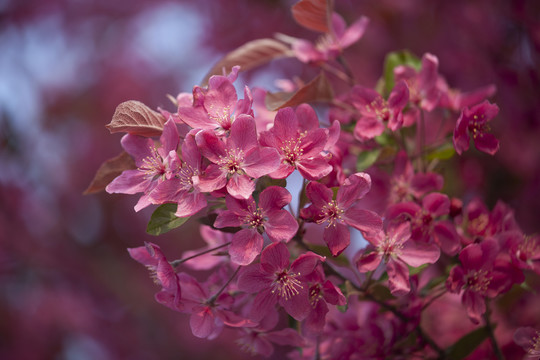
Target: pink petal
x,y
486,142
190,204
274,198
281,226
398,278
252,279
243,133
436,204
337,237
261,161
129,182
169,137
355,187
202,322
316,319
246,246
368,261
319,194
368,128
332,294
306,52
298,306
307,118
445,234
354,32
461,136
137,146
213,179
240,186
286,336
262,304
141,255
524,336
417,254
314,168
363,220
306,263
196,117
285,124
210,145
475,305
275,257
190,152
399,97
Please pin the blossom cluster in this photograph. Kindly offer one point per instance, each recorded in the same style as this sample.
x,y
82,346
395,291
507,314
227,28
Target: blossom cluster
x,y
376,237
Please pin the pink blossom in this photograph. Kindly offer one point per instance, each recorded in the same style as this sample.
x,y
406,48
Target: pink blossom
x,y
330,45
275,282
154,165
376,111
423,91
209,314
162,272
474,122
182,189
397,251
259,340
480,275
341,212
408,185
299,141
321,293
426,222
217,107
529,339
266,216
236,159
524,250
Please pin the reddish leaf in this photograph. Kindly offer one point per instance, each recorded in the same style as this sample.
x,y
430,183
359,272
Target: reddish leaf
x,y
251,54
318,89
136,118
313,14
109,170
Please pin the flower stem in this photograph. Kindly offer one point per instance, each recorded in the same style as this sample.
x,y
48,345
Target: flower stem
x,y
176,263
216,295
489,326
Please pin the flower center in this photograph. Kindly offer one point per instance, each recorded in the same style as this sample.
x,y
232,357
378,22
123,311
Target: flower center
x,y
291,149
478,126
528,248
534,348
331,212
286,285
232,161
185,175
390,248
221,116
315,294
153,165
478,280
255,218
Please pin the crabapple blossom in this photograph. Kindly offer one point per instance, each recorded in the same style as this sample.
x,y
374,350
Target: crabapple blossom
x,y
154,165
265,217
473,122
299,141
397,251
330,45
277,283
237,160
341,212
162,272
529,339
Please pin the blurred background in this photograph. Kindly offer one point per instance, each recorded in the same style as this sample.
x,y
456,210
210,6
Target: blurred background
x,y
68,289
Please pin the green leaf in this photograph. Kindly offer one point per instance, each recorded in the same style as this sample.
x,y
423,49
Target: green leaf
x,y
467,344
395,59
342,308
443,152
366,159
164,220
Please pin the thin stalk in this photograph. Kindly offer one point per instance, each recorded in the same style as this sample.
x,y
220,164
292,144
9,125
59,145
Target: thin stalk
x,y
489,326
422,140
175,263
213,298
